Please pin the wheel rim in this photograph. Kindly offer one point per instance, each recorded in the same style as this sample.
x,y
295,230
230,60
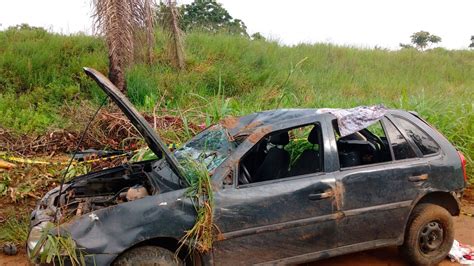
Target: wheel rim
x,y
431,237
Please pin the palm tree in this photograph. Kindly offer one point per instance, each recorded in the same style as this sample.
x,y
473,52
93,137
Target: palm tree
x,y
169,19
118,20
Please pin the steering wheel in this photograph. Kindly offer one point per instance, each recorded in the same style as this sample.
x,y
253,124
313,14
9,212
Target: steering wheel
x,y
380,143
244,177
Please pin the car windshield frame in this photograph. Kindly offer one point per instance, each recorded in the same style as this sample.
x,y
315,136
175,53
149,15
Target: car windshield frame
x,y
210,148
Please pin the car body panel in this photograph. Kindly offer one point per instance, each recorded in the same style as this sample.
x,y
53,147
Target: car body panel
x,y
113,230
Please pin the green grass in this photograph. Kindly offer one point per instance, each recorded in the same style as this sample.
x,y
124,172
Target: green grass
x,y
230,75
202,235
14,230
53,248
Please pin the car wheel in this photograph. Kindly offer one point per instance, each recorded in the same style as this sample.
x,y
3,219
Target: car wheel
x,y
147,255
429,235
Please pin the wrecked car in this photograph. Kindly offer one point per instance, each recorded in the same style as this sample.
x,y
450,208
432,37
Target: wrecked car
x,y
289,186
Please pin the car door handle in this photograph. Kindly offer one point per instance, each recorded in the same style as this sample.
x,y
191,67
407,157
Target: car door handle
x,y
322,195
418,178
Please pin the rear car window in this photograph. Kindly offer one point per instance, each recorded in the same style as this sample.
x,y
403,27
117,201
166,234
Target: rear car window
x,y
424,142
401,148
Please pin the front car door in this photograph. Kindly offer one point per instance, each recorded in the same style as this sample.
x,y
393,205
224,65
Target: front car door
x,y
275,219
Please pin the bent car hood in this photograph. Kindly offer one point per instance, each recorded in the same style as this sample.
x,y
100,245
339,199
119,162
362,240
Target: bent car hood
x,y
151,137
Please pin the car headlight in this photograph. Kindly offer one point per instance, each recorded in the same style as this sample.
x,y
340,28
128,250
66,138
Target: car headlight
x,y
35,236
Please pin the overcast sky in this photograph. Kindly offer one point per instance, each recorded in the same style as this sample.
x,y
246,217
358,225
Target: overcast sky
x,y
362,23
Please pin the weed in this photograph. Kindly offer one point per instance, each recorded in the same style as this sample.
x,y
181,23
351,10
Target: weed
x,y
52,249
14,229
201,235
75,170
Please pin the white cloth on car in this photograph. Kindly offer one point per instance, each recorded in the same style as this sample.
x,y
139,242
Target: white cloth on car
x,y
355,119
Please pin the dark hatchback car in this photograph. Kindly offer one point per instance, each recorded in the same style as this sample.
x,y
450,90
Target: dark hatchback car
x,y
289,185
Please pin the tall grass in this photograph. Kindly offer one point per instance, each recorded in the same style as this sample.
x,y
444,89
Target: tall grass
x,y
230,75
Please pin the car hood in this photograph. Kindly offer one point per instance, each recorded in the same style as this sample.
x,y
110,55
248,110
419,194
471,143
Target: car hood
x,y
151,137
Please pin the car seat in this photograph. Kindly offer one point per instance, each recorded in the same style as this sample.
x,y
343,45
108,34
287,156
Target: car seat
x,y
309,160
276,163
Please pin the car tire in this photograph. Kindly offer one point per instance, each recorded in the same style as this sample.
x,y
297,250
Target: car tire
x,y
428,236
147,255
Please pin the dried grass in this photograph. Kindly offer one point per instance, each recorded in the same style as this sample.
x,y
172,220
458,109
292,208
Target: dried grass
x,y
118,21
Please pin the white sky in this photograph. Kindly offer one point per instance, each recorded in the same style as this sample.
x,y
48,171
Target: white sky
x,y
362,23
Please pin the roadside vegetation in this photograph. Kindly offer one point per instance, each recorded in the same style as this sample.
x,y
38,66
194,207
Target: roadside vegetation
x,y
41,74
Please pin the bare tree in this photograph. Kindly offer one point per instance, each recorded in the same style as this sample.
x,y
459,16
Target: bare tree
x,y
117,20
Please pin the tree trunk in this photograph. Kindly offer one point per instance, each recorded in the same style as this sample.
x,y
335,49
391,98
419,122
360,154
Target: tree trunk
x,y
117,75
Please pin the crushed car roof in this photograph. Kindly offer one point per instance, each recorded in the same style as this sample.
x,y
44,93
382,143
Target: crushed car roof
x,y
349,120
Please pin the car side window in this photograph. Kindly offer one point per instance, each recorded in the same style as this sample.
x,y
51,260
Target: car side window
x,y
424,142
401,148
283,154
366,146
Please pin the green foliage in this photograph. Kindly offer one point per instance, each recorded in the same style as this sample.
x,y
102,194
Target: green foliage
x,y
423,38
257,36
210,16
57,249
223,80
40,71
14,230
296,147
75,170
201,236
144,154
4,184
406,46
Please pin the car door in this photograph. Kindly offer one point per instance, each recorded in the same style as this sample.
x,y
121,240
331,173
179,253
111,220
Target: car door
x,y
376,199
275,219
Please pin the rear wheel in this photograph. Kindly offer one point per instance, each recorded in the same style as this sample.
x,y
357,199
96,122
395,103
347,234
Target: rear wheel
x,y
148,255
429,235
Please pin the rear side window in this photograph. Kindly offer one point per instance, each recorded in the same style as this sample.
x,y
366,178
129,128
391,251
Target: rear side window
x,y
424,142
401,148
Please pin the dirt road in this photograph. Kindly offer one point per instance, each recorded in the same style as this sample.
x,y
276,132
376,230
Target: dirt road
x,y
464,226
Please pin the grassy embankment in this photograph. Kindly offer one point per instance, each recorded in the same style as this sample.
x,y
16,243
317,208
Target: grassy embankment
x,y
41,72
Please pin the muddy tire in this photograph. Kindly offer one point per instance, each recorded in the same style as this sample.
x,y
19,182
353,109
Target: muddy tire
x,y
429,235
147,255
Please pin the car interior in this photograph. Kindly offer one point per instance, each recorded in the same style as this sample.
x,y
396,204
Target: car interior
x,y
367,146
298,151
283,154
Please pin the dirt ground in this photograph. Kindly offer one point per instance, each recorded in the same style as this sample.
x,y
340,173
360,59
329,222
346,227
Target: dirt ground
x,y
464,226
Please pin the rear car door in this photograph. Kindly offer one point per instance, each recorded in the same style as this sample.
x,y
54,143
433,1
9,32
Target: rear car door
x,y
376,196
276,219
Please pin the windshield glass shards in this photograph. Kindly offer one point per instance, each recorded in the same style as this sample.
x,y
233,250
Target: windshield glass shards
x,y
210,148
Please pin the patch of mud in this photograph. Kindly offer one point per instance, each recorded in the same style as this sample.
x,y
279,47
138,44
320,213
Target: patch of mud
x,y
229,122
259,133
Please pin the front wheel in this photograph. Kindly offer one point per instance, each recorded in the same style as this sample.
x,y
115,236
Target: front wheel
x,y
148,255
429,235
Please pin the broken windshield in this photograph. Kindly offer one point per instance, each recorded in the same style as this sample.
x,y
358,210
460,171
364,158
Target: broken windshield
x,y
210,148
